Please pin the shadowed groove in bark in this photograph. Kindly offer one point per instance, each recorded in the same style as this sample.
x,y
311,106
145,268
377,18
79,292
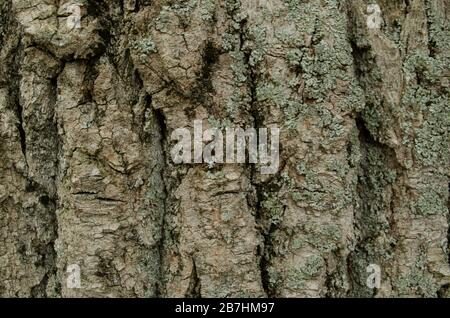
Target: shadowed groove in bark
x,y
258,122
160,120
13,73
444,291
210,58
23,142
194,289
386,170
49,199
369,219
446,288
158,138
367,223
358,259
45,223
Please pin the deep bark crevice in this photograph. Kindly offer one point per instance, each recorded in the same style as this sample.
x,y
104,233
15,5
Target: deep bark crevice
x,y
194,289
20,128
258,122
38,245
448,223
163,145
369,219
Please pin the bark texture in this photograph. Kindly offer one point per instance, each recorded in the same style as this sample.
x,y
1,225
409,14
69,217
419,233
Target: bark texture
x,y
86,177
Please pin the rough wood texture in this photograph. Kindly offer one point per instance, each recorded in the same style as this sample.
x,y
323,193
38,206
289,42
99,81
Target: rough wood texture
x,y
86,177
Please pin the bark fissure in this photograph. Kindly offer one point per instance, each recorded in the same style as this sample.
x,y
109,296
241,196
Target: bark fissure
x,y
161,244
359,92
194,289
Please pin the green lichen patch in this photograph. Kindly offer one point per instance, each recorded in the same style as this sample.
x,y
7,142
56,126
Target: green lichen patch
x,y
145,46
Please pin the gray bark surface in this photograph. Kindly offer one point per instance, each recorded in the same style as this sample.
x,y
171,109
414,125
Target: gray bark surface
x,y
86,176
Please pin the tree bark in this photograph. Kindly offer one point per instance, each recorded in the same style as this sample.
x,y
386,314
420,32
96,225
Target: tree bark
x,y
86,174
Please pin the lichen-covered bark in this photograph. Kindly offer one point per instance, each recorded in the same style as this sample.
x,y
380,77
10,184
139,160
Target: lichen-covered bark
x,y
86,176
